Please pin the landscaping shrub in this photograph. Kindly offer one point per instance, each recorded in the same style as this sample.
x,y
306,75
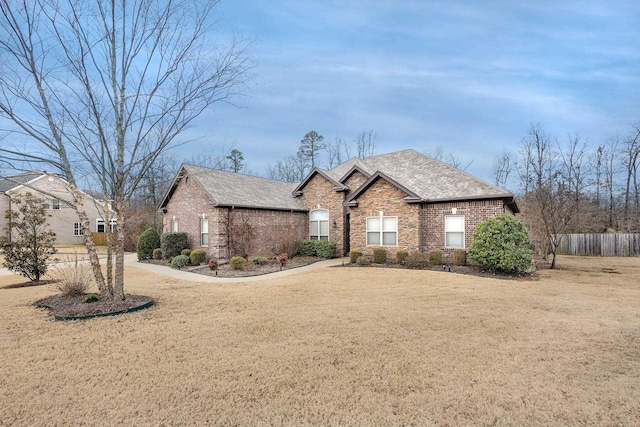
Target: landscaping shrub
x,y
237,262
179,261
435,257
186,252
260,260
148,241
198,256
401,257
459,257
73,280
416,260
363,261
157,253
354,255
91,298
325,248
213,264
502,244
290,247
307,247
379,256
172,244
282,259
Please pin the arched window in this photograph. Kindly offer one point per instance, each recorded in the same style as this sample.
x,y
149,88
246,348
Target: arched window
x,y
319,224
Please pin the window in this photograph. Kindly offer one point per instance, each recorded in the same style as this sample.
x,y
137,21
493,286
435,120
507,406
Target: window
x,y
204,232
100,228
319,224
77,229
174,225
454,231
382,231
48,204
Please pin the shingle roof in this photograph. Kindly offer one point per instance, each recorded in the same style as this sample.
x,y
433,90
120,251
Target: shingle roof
x,y
11,182
428,178
235,189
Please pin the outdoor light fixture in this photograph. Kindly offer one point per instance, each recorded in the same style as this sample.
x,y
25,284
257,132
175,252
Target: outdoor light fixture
x,y
334,223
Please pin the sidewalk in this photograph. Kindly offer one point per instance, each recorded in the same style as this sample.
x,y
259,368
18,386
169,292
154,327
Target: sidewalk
x,y
131,260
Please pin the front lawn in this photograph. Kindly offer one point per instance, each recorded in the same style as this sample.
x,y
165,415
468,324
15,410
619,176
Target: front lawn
x,y
337,346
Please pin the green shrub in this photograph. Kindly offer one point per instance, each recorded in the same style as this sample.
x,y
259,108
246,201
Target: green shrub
x,y
459,257
237,262
325,249
91,298
157,253
363,261
186,252
435,257
307,247
416,260
179,261
260,260
172,244
502,244
148,241
198,256
354,255
401,257
379,255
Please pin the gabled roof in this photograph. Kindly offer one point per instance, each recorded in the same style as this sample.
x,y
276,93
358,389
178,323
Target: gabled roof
x,y
11,182
426,179
228,189
337,186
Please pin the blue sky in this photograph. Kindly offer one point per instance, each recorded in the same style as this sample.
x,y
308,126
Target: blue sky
x,y
469,76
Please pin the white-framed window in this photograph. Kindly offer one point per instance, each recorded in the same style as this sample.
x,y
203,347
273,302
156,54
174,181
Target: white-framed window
x,y
319,224
174,225
77,229
454,231
382,231
204,232
48,204
100,225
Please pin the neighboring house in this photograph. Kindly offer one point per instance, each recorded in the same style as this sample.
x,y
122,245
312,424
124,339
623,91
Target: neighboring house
x,y
401,200
63,219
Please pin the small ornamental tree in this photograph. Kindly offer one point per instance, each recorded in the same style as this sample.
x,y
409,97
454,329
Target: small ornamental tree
x,y
28,253
502,244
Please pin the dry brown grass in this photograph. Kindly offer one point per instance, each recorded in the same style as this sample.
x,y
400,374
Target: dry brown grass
x,y
336,347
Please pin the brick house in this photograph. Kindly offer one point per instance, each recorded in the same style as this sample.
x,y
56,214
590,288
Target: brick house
x,y
401,200
63,219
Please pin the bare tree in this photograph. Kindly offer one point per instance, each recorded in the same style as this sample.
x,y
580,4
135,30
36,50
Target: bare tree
x,y
287,170
366,143
335,152
631,158
449,158
502,169
575,171
107,87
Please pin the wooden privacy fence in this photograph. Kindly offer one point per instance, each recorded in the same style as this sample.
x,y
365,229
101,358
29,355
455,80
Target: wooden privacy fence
x,y
610,244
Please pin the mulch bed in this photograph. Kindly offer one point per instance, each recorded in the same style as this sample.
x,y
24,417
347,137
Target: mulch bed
x,y
72,305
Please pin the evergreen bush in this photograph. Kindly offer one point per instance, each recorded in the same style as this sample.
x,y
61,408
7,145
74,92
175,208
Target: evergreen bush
x,y
148,241
379,256
198,256
307,247
325,248
186,252
435,257
157,253
363,261
459,257
172,244
401,257
416,260
260,260
502,243
237,262
354,255
179,261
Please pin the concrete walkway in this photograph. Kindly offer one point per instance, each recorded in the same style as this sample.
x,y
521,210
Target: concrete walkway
x,y
131,260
